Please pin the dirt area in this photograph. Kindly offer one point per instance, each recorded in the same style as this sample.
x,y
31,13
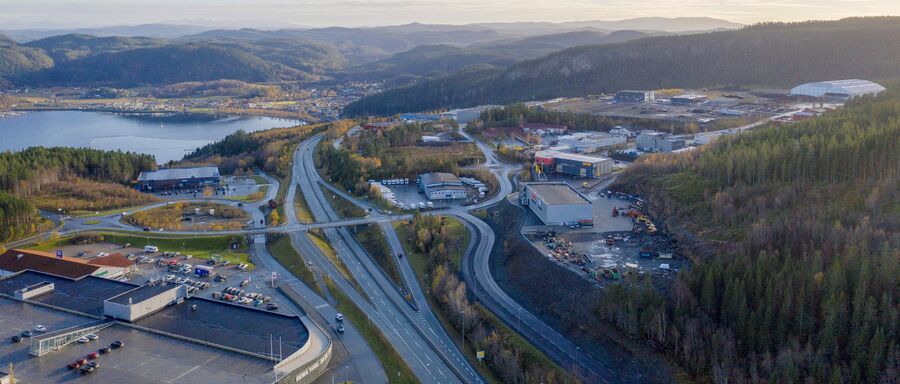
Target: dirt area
x,y
721,109
565,300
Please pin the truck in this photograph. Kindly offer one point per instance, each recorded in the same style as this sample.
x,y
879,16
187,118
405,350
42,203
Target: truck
x,y
203,271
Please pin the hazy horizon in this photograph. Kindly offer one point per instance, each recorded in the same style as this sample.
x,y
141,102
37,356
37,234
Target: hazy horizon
x,y
53,14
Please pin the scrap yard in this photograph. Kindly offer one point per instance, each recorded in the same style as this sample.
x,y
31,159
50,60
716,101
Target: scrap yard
x,y
617,252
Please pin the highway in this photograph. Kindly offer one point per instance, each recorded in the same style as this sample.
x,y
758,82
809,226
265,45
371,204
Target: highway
x,y
427,350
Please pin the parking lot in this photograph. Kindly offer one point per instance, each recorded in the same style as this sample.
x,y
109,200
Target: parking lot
x,y
231,187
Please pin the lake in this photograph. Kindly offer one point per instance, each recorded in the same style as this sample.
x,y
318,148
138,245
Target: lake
x,y
165,136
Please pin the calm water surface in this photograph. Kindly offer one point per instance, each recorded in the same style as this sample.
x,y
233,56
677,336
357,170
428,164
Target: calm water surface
x,y
168,137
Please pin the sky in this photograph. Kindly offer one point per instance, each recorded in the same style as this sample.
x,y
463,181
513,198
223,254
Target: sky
x,y
16,14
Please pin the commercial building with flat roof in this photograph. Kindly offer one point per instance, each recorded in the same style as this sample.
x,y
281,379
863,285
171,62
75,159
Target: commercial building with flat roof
x,y
573,164
652,141
441,186
170,178
557,203
166,317
630,96
688,99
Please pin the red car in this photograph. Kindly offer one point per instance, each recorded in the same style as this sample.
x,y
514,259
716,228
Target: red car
x,y
81,361
93,355
73,366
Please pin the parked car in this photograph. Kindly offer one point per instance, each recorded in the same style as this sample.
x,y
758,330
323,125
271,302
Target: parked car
x,y
93,355
340,328
103,350
272,307
40,328
84,340
339,317
26,334
16,339
92,336
117,344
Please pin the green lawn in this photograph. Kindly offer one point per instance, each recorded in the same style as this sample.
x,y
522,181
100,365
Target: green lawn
x,y
396,369
371,237
260,180
345,209
281,248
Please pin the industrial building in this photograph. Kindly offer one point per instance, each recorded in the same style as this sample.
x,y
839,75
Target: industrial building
x,y
170,178
541,128
178,336
652,141
551,161
629,96
846,89
590,141
688,99
441,186
17,260
557,203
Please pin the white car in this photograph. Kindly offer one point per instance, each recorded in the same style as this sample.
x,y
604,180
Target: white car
x,y
84,340
92,336
40,328
339,317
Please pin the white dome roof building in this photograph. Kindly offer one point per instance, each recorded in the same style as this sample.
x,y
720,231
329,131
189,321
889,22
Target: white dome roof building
x,y
838,88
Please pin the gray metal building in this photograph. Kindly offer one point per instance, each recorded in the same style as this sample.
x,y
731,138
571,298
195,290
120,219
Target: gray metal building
x,y
557,203
178,178
630,96
441,186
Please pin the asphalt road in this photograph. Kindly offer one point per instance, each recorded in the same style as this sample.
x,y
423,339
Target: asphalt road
x,y
432,358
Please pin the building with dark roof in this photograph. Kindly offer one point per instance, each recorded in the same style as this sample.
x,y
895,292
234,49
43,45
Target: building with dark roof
x,y
302,350
173,178
17,260
629,96
557,203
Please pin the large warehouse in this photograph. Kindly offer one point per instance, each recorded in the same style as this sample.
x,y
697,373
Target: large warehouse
x,y
441,186
161,326
573,164
838,88
557,203
178,178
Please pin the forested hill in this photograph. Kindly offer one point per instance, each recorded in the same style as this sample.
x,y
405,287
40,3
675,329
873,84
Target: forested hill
x,y
796,234
771,54
28,177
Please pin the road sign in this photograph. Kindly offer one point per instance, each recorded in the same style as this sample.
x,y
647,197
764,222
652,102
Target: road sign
x,y
479,355
59,253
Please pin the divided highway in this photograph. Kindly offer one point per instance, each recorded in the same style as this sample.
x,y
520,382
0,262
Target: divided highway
x,y
426,348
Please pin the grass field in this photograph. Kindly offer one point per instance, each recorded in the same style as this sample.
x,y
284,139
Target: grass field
x,y
260,180
371,237
301,209
281,248
344,208
396,369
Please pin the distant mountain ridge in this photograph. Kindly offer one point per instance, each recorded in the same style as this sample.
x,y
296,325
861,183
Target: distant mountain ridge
x,y
396,54
770,54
